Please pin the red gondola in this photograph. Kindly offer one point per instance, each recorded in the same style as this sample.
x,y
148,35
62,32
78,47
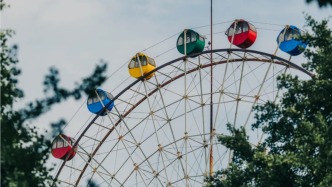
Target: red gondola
x,y
241,33
62,147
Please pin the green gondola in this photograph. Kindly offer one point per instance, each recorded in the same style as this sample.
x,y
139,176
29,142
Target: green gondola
x,y
194,42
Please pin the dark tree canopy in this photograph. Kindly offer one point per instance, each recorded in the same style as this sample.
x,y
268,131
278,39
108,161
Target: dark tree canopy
x,y
321,3
297,150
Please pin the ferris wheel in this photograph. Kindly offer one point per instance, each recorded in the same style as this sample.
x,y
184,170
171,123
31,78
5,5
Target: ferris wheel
x,y
163,128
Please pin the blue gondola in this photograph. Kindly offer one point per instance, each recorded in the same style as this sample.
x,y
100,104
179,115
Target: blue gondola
x,y
289,41
98,100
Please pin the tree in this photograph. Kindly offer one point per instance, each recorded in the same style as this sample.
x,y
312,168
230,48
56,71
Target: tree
x,y
24,150
321,3
297,150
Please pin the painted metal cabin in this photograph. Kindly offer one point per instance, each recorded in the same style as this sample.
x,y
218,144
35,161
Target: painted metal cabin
x,y
191,41
241,34
97,101
289,42
62,147
140,65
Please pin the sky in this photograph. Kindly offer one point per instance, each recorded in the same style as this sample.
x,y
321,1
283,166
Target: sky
x,y
74,35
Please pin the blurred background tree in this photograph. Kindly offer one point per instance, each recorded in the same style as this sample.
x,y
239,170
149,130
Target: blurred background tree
x,y
321,3
24,148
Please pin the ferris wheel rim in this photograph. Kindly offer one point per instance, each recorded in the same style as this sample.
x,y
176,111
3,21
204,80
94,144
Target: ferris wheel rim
x,y
229,50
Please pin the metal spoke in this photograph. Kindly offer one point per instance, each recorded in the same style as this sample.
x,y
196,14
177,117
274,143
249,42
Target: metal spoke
x,y
157,133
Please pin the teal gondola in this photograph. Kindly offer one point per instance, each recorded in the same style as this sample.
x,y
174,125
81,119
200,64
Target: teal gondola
x,y
289,41
193,41
97,101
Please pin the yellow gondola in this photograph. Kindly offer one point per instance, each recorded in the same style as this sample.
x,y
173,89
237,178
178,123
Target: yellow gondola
x,y
140,65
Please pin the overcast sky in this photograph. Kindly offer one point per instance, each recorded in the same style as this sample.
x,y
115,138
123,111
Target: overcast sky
x,y
74,35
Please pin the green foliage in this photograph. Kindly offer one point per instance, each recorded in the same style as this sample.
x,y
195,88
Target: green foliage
x,y
2,5
321,3
91,183
24,150
297,149
238,142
